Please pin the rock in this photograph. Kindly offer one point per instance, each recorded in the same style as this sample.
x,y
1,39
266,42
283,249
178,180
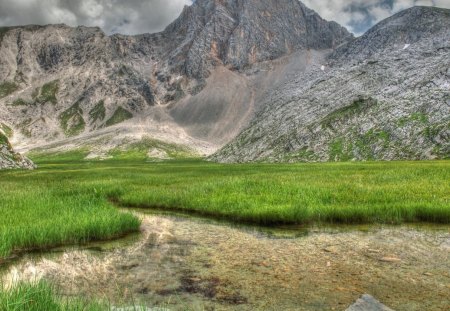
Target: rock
x,y
368,303
156,153
9,159
390,259
138,308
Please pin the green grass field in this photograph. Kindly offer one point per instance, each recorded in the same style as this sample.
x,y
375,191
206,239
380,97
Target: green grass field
x,y
70,201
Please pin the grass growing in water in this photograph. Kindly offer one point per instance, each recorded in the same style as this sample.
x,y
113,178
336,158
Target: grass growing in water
x,y
41,297
67,202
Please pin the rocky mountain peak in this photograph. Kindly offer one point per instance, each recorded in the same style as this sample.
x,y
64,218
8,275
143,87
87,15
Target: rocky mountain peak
x,y
238,33
400,31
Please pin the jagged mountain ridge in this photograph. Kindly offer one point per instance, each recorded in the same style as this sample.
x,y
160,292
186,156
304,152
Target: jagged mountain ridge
x,y
59,82
383,96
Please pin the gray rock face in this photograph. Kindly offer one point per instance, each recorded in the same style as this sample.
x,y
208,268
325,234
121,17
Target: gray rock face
x,y
10,159
384,96
368,303
238,33
58,82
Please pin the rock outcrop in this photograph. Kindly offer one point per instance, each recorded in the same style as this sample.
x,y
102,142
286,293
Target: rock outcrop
x,y
368,303
383,96
10,159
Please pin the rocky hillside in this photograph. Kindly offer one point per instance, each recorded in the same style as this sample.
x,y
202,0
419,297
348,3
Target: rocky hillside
x,y
383,96
198,83
10,159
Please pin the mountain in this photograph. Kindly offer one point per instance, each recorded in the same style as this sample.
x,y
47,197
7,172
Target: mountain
x,y
383,96
196,84
9,159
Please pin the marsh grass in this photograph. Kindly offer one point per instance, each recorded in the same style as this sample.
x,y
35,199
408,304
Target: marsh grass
x,y
68,200
42,297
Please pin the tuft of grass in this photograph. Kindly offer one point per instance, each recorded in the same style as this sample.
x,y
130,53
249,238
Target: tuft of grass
x,y
48,93
119,116
42,297
72,121
7,88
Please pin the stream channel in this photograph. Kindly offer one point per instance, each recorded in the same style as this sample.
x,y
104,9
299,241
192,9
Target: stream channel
x,y
178,262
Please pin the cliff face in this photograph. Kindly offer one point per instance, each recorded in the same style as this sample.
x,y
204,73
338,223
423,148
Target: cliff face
x,y
383,96
238,33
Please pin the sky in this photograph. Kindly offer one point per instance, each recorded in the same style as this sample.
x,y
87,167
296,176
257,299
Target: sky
x,y
147,16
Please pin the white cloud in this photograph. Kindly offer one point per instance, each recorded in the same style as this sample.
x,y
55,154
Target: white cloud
x,y
358,15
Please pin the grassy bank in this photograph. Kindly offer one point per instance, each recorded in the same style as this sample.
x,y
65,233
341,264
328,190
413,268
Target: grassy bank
x,y
41,297
69,202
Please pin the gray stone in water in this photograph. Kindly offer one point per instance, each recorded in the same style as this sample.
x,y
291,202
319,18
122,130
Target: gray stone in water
x,y
139,308
368,303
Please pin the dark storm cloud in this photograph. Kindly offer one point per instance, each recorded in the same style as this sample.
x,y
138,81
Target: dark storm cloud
x,y
113,16
139,16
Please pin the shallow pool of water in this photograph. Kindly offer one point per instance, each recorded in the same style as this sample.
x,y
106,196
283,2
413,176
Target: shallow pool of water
x,y
196,264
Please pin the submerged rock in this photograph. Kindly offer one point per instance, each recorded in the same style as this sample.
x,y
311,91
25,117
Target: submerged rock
x,y
139,309
368,303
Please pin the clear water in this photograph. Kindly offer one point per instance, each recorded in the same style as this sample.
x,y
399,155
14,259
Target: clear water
x,y
185,263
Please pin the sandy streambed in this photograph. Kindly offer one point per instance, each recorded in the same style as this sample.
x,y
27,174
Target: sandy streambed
x,y
187,263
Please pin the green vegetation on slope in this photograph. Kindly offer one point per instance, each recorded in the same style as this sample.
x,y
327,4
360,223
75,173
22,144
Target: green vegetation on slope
x,y
140,150
3,139
119,116
72,121
98,112
344,113
19,102
68,202
7,88
415,117
6,129
47,93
